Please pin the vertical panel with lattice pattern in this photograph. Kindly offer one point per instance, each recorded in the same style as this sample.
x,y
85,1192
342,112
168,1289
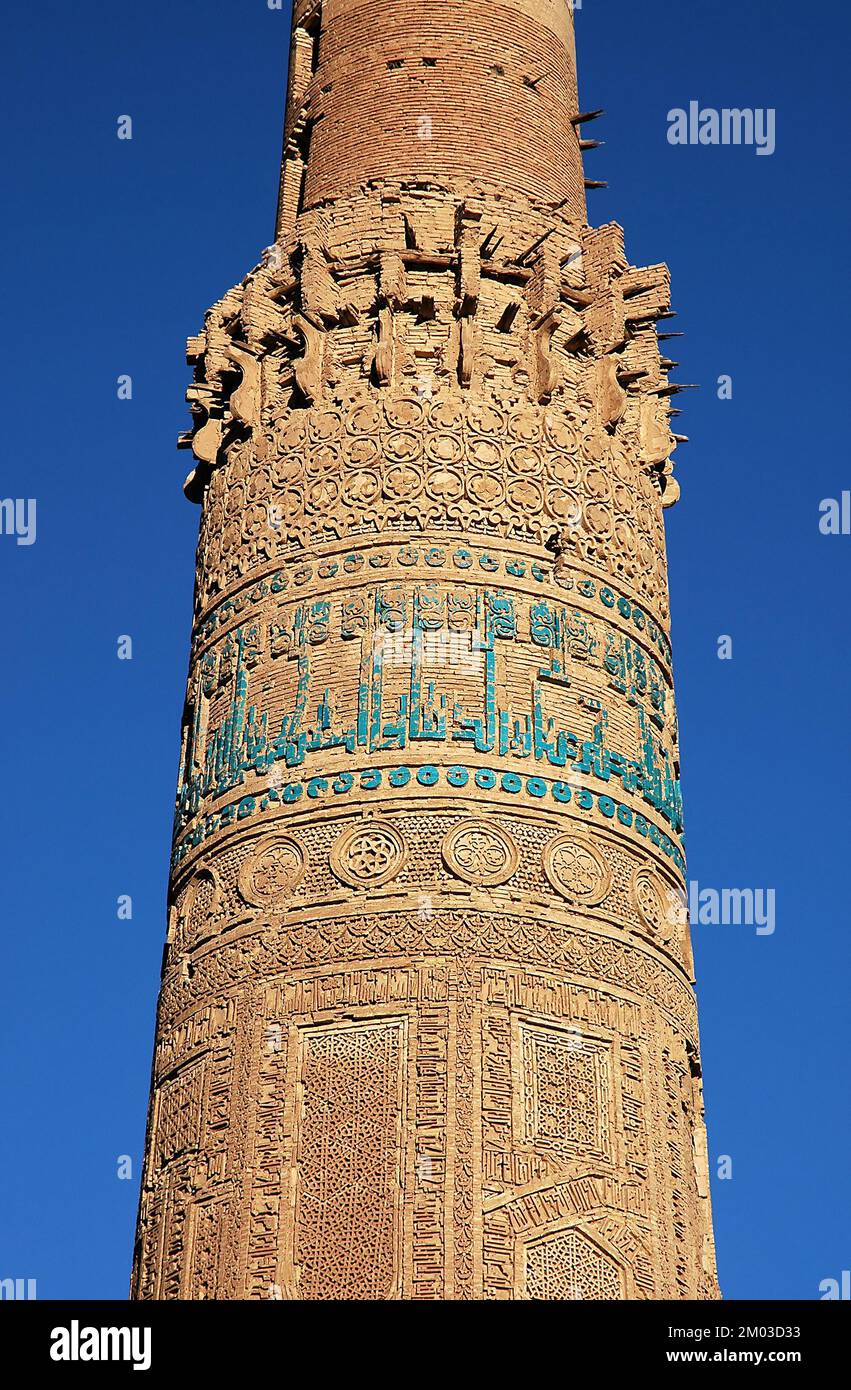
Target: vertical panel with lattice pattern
x,y
566,1098
352,1080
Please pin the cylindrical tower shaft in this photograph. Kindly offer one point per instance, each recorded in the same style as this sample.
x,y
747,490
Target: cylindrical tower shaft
x,y
468,91
427,1027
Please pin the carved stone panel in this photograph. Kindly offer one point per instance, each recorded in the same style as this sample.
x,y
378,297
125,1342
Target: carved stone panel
x,y
569,1265
348,1161
565,1101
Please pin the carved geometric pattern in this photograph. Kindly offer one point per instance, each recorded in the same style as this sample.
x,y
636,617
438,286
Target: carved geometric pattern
x,y
577,870
566,1100
534,938
368,854
273,870
179,1105
348,1160
200,908
208,1223
480,852
568,1265
522,471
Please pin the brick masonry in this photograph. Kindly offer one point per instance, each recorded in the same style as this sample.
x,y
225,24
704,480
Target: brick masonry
x,y
427,1027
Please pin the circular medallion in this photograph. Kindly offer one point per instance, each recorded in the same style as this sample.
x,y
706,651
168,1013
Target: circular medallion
x,y
526,494
445,415
597,484
565,506
363,451
322,460
444,485
485,419
623,499
291,432
561,433
484,452
480,852
368,854
524,425
361,487
401,446
524,460
325,424
660,907
364,419
322,495
484,488
289,505
444,448
403,481
626,537
255,520
576,869
405,411
272,870
598,520
216,517
620,462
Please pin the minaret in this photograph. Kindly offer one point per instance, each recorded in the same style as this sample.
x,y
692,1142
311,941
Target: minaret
x,y
427,1027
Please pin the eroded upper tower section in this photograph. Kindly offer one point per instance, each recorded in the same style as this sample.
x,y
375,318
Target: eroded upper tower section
x,y
463,92
434,274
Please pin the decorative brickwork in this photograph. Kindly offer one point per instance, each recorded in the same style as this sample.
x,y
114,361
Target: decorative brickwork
x,y
427,1027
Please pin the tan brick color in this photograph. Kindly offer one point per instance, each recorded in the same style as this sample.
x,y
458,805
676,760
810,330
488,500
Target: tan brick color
x,y
426,1026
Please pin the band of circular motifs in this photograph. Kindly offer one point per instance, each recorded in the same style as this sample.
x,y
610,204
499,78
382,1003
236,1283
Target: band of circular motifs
x,y
478,851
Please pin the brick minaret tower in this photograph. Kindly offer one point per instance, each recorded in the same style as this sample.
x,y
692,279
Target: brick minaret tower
x,y
427,1027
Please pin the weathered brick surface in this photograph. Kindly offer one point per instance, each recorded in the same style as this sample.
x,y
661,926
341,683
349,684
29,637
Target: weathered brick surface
x,y
427,1027
465,90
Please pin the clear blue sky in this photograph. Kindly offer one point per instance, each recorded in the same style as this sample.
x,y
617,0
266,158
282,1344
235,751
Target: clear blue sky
x,y
113,251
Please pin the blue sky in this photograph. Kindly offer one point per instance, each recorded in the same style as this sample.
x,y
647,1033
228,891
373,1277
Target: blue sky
x,y
114,249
